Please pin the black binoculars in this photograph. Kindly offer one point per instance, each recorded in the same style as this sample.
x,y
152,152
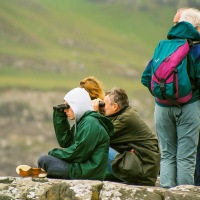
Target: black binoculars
x,y
101,104
61,107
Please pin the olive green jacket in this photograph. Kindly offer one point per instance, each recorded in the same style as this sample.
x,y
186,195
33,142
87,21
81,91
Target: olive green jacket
x,y
131,132
84,146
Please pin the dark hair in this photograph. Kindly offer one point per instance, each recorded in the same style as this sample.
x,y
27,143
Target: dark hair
x,y
119,96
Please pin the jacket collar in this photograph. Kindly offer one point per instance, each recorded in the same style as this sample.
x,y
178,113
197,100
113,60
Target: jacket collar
x,y
117,113
183,30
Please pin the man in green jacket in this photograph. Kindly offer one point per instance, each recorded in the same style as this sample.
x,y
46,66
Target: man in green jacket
x,y
132,140
84,147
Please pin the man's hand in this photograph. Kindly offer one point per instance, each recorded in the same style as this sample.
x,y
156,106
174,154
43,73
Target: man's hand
x,y
95,104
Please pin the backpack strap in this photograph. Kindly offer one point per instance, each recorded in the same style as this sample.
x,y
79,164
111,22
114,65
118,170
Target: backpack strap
x,y
190,42
193,82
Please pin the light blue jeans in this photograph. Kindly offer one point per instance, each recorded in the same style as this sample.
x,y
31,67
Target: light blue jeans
x,y
111,156
178,138
109,174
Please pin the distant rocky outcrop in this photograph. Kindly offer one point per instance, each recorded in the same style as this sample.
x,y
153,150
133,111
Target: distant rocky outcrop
x,y
53,189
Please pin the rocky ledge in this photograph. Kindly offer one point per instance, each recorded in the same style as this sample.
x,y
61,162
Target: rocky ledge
x,y
54,189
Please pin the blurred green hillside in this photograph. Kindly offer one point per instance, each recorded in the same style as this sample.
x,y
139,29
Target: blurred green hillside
x,y
48,46
52,45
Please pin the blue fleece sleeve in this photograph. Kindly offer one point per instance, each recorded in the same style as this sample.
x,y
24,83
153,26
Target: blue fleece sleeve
x,y
196,56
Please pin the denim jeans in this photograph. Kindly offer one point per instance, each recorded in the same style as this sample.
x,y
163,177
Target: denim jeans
x,y
197,168
109,174
178,137
55,167
111,156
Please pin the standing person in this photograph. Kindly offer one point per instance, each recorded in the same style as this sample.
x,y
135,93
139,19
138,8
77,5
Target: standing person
x,y
197,167
178,134
84,147
195,21
131,134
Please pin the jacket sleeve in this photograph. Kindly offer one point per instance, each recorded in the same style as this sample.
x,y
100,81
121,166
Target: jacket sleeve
x,y
146,76
85,141
197,61
62,128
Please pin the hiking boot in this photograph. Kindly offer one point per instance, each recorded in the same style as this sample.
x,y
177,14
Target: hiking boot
x,y
27,171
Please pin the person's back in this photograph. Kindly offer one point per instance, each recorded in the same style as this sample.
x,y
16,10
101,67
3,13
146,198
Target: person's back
x,y
178,127
131,133
91,140
195,52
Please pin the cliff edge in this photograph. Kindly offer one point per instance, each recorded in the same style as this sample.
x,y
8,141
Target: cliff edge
x,y
53,189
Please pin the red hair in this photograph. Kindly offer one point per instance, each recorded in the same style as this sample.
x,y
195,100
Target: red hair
x,y
93,86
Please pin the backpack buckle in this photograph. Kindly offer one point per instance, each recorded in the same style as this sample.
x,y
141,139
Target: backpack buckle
x,y
162,85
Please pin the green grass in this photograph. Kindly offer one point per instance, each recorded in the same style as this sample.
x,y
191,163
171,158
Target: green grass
x,y
81,38
33,79
42,81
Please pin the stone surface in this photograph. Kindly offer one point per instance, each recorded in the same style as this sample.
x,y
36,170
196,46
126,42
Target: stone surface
x,y
54,189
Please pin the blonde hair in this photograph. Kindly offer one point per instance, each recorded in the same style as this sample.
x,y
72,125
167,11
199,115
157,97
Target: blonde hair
x,y
192,16
178,15
93,86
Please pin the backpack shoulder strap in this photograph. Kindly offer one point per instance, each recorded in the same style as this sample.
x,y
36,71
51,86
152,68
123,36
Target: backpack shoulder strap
x,y
196,42
193,81
192,43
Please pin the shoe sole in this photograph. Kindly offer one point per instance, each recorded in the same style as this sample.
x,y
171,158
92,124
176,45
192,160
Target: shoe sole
x,y
27,171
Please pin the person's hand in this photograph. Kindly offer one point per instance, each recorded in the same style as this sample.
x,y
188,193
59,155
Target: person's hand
x,y
95,104
57,112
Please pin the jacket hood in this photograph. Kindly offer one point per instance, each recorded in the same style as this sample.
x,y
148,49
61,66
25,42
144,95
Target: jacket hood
x,y
183,30
104,121
80,102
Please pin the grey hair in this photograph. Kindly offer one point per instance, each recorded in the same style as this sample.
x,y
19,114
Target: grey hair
x,y
118,96
192,16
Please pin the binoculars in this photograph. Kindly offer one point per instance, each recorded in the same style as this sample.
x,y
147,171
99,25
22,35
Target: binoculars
x,y
101,104
61,107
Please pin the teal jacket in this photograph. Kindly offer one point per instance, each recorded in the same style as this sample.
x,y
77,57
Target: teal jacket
x,y
84,146
183,30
